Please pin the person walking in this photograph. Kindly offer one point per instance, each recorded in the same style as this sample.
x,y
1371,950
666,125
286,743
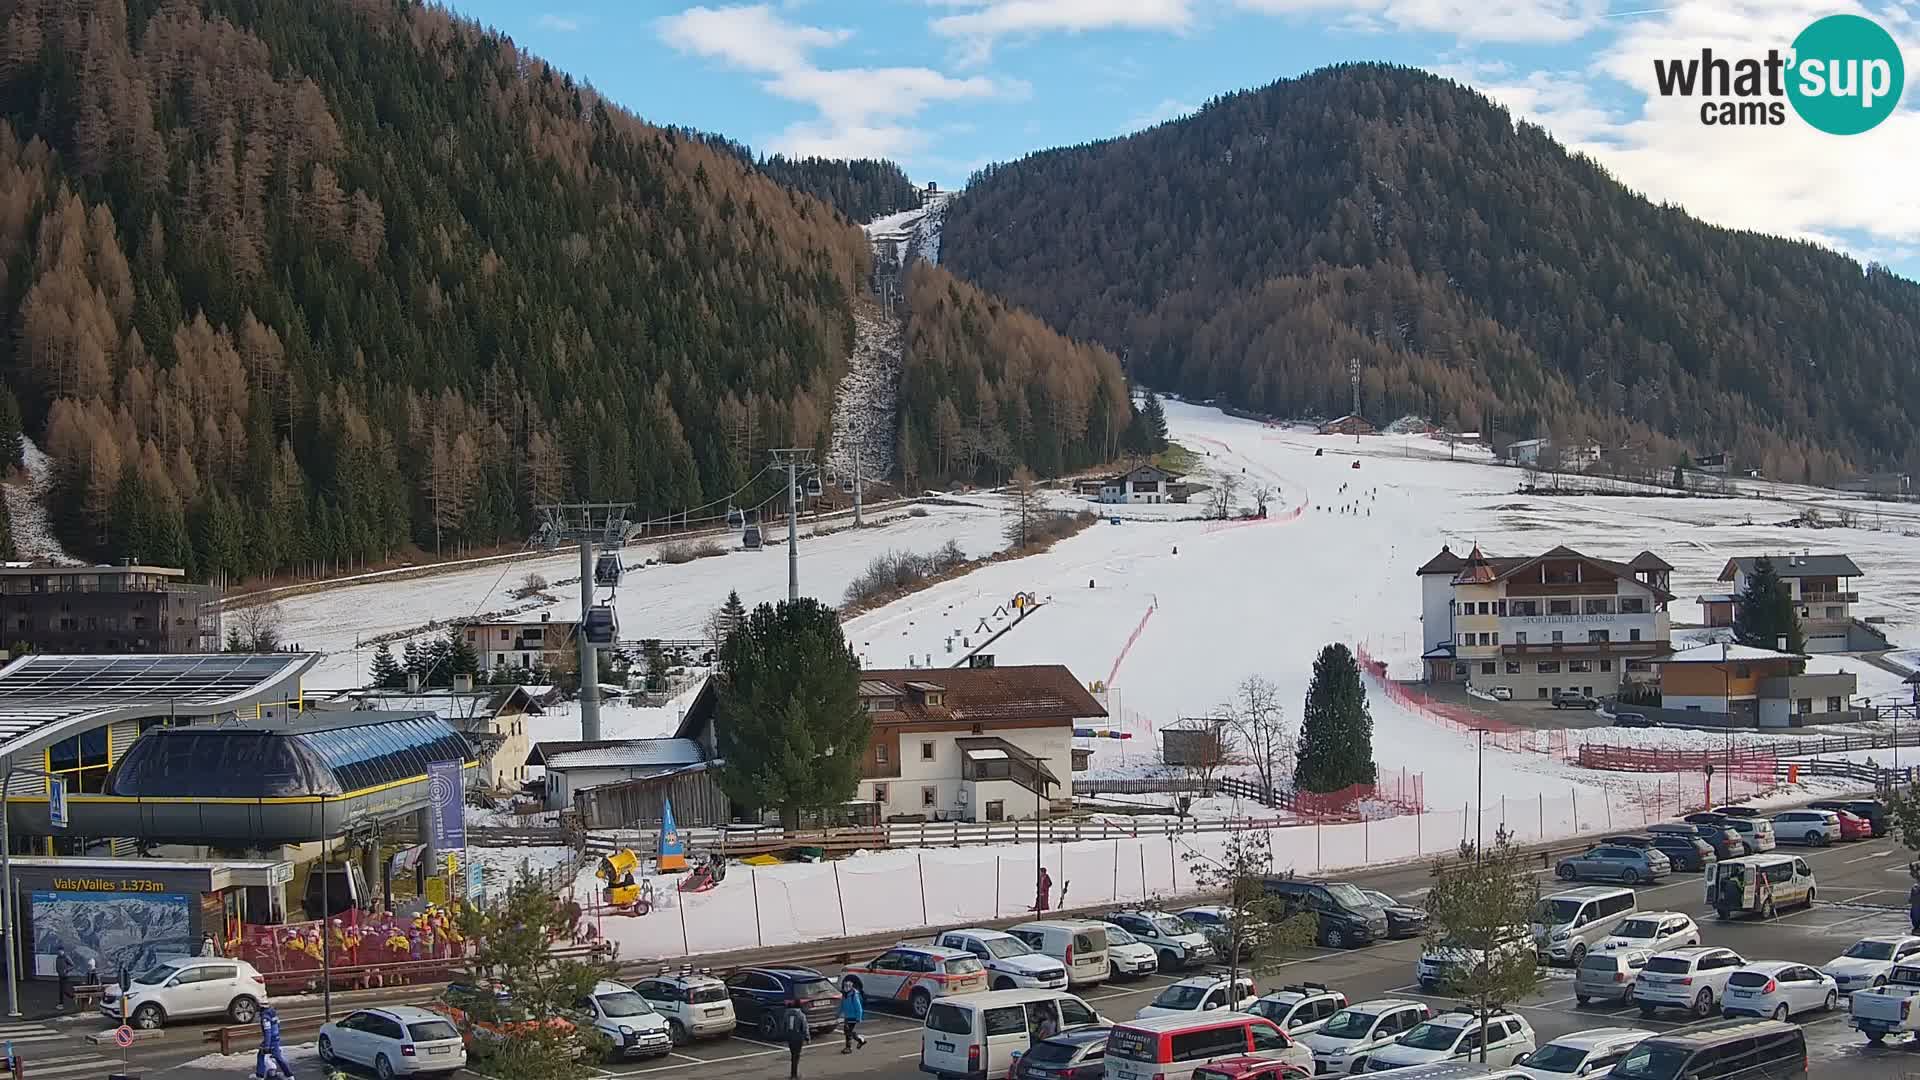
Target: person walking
x,y
852,1011
1044,890
794,1025
270,1058
63,973
1913,906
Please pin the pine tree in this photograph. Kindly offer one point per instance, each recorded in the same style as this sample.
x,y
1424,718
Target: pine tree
x,y
789,721
6,532
461,657
1763,612
1336,728
12,451
1153,423
385,673
413,663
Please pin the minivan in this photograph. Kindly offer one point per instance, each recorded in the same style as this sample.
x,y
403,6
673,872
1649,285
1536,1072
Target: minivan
x,y
1732,1050
974,1036
1789,882
1346,915
1171,1047
1080,944
1567,924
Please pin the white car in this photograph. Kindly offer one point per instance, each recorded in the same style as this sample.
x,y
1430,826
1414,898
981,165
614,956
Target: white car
x,y
1692,979
696,1005
1454,1036
1866,962
1814,828
1343,1042
1299,1009
1501,693
1438,962
1178,943
1011,964
1127,957
394,1040
190,986
1655,931
1584,1053
1200,994
629,1024
1778,989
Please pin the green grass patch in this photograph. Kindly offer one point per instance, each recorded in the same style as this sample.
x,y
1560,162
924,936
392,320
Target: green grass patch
x,y
1178,460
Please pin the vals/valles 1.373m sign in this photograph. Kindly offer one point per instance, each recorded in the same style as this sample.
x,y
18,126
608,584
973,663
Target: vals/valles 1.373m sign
x,y
1843,75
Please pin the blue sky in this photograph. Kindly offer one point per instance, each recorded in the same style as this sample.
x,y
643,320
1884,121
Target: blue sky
x,y
945,86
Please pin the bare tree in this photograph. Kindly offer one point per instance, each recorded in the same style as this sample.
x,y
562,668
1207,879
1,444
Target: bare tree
x,y
1262,495
1199,746
1226,485
1027,506
256,628
1259,724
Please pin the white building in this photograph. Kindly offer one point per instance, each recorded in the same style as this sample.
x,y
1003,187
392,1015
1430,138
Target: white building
x,y
523,642
1823,595
1145,484
576,766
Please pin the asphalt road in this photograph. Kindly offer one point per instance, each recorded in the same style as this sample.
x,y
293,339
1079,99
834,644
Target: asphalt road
x,y
1852,880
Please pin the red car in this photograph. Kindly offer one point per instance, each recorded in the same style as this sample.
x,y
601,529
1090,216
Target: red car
x,y
1250,1068
1854,827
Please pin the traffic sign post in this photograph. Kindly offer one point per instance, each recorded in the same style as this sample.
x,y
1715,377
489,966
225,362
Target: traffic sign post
x,y
56,802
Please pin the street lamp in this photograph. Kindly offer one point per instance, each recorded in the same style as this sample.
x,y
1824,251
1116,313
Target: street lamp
x,y
1479,791
1726,722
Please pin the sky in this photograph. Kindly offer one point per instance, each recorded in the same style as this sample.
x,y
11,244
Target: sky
x,y
945,87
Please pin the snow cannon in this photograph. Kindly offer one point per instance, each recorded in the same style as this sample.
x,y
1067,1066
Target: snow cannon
x,y
617,870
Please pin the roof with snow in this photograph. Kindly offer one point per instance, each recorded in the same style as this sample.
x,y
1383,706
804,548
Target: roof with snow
x,y
480,703
1796,566
46,696
617,754
1711,654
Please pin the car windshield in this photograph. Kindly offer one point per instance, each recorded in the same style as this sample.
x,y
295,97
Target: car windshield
x,y
1670,965
1379,898
1556,1058
1275,1011
1178,996
1173,924
1871,950
1552,912
1348,896
1117,936
1005,947
1431,1036
624,1003
432,1031
1348,1024
156,976
1638,928
1645,1062
1600,962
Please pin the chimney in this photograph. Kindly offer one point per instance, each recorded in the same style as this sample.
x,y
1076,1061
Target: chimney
x,y
413,682
463,684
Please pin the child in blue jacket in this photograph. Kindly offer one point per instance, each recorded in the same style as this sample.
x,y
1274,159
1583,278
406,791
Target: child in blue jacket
x,y
852,1011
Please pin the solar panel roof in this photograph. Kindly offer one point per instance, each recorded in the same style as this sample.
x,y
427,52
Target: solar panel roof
x,y
39,690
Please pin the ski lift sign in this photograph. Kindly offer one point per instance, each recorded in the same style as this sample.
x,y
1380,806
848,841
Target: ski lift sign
x,y
56,802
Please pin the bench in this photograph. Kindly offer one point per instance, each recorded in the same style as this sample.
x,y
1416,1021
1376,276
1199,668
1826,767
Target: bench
x,y
88,995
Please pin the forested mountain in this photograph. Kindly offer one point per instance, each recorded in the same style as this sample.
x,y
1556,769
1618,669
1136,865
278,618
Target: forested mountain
x,y
294,284
1480,273
860,188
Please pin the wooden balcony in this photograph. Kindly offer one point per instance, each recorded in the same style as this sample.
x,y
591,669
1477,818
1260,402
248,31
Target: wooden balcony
x,y
1588,648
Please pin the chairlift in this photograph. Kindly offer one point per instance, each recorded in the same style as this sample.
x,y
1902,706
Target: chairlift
x,y
602,626
607,569
813,487
735,518
750,538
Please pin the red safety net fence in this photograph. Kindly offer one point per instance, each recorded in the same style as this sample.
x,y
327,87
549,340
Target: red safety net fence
x,y
1499,733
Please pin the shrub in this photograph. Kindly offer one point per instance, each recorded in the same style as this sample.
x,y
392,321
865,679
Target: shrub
x,y
916,511
897,570
683,552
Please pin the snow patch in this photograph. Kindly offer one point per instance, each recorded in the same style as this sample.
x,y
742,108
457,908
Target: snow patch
x,y
33,537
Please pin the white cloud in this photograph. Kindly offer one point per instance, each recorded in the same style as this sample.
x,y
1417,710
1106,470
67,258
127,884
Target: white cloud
x,y
561,24
978,24
862,109
1471,20
1789,179
1165,110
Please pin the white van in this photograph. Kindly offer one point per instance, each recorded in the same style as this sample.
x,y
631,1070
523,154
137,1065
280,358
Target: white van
x,y
974,1036
1567,925
1788,882
1171,1047
1080,944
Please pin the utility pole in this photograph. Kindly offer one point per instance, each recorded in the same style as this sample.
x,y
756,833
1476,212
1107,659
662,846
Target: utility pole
x,y
856,483
795,461
585,523
589,656
1353,376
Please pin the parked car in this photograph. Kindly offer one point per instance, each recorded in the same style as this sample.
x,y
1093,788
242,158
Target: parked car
x,y
1686,853
1778,989
1079,944
1079,1054
1252,1068
1343,1042
760,993
1789,882
1693,979
1011,963
1725,842
1201,993
1872,810
1609,975
1632,840
1214,920
915,974
1886,1008
1656,931
1437,963
1814,828
1738,811
1584,1053
1178,943
1610,862
1633,720
1757,833
1567,924
1172,1047
695,1004
1854,827
394,1040
1403,920
1501,693
630,1026
1127,956
1574,699
986,1034
1762,1049
1345,915
1867,962
1456,1035
186,987
1299,1009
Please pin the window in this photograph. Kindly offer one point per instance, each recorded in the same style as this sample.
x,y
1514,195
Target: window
x,y
1520,637
1526,608
1559,607
1836,612
1487,668
880,793
1606,665
1074,1014
1513,667
1805,704
1833,704
926,751
1579,665
1268,1039
996,810
1466,639
1633,635
1486,639
1559,636
1496,637
929,796
1595,637
1743,671
1500,608
1213,1042
879,753
1541,693
1008,1020
1599,607
1633,605
1547,667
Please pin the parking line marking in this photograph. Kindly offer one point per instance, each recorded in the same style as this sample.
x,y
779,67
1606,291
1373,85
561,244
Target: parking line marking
x,y
1875,855
687,1057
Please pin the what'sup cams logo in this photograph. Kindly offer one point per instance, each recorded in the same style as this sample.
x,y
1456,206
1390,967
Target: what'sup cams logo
x,y
1843,75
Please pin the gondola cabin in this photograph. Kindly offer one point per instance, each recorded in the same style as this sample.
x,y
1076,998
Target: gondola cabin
x,y
602,626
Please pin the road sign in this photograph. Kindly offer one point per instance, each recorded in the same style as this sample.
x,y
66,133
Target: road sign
x,y
123,1036
56,802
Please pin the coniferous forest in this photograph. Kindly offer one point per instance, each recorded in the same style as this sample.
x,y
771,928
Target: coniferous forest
x,y
1482,275
296,285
